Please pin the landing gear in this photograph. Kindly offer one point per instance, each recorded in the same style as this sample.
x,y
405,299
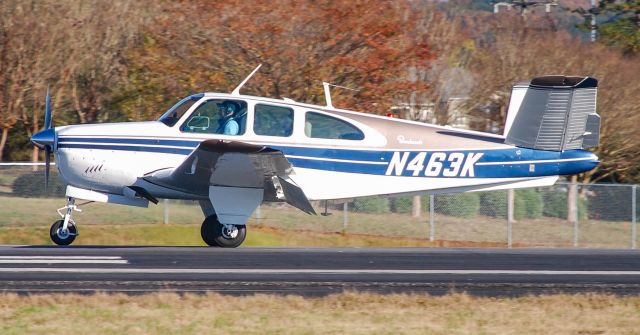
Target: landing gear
x,y
61,236
64,232
216,234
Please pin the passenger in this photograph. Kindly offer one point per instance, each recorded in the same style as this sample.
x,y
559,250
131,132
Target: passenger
x,y
228,124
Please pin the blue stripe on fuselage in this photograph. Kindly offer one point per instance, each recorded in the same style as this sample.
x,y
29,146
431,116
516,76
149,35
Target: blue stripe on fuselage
x,y
496,163
164,150
141,141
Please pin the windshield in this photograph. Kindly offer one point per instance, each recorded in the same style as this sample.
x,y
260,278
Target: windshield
x,y
175,113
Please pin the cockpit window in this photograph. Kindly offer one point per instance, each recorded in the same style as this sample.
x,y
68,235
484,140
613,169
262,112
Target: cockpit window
x,y
318,125
217,116
175,113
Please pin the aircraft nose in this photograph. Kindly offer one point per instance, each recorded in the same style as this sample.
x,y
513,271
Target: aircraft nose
x,y
44,138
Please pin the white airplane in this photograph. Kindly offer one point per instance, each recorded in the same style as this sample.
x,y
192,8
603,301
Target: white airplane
x,y
231,152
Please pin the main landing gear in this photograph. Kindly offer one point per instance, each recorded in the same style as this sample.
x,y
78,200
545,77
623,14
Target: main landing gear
x,y
214,233
217,234
64,232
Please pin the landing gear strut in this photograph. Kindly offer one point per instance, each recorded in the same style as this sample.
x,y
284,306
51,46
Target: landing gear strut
x,y
216,234
64,232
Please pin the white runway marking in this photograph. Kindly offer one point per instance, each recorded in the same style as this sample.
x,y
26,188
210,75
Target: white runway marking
x,y
327,271
62,260
60,257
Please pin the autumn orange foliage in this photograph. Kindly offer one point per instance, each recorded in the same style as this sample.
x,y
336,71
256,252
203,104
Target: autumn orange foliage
x,y
205,46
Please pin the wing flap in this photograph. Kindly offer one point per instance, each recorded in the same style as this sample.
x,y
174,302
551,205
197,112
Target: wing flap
x,y
295,197
234,164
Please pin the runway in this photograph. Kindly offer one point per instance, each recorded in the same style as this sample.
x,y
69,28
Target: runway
x,y
317,271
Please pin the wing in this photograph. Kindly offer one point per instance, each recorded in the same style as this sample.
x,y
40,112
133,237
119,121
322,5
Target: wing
x,y
234,164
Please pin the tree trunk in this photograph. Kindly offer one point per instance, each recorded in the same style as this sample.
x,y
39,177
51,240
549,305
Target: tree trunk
x,y
416,208
35,157
35,154
3,142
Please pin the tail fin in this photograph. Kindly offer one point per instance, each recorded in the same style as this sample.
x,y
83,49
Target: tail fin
x,y
554,113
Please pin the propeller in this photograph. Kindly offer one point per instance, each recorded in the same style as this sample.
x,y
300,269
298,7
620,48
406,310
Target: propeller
x,y
46,139
47,148
47,110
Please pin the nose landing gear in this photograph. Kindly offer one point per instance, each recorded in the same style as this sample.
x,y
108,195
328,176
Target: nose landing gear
x,y
216,234
64,232
62,236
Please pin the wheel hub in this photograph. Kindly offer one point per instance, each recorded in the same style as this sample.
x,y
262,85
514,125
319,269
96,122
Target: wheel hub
x,y
63,233
229,231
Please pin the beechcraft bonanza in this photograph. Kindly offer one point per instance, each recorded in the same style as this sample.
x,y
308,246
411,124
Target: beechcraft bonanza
x,y
231,152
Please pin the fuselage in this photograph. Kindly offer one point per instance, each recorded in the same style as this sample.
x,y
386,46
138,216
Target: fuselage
x,y
377,155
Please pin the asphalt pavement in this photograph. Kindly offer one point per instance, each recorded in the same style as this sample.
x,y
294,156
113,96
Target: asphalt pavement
x,y
317,271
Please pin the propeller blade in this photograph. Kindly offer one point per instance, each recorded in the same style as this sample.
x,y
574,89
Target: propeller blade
x,y
47,165
47,111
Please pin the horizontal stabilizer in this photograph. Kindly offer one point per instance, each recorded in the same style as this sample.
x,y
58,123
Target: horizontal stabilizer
x,y
554,113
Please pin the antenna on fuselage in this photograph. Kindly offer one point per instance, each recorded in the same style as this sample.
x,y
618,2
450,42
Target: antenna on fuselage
x,y
237,90
327,92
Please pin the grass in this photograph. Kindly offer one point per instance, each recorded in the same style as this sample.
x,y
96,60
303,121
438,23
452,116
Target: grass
x,y
346,313
189,235
122,224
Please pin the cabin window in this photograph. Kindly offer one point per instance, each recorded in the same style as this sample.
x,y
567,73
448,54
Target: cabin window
x,y
175,113
217,116
272,120
318,125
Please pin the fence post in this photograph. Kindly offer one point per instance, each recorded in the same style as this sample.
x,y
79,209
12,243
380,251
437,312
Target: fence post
x,y
432,224
510,210
165,202
345,210
572,211
634,210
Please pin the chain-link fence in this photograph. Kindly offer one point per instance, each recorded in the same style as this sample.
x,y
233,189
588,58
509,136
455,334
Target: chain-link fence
x,y
563,215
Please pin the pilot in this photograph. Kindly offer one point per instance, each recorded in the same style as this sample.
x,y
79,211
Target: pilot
x,y
228,125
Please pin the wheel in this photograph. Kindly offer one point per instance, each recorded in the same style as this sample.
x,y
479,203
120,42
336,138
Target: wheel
x,y
216,234
63,239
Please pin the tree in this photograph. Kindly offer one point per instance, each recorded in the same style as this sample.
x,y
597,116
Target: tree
x,y
74,47
102,33
445,74
23,63
621,26
514,52
199,46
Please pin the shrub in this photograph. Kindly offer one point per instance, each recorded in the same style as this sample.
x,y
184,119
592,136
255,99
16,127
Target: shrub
x,y
32,185
610,203
402,205
371,205
494,203
528,204
464,205
555,204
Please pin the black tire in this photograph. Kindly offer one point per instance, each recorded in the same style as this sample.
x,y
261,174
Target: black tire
x,y
53,232
213,234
